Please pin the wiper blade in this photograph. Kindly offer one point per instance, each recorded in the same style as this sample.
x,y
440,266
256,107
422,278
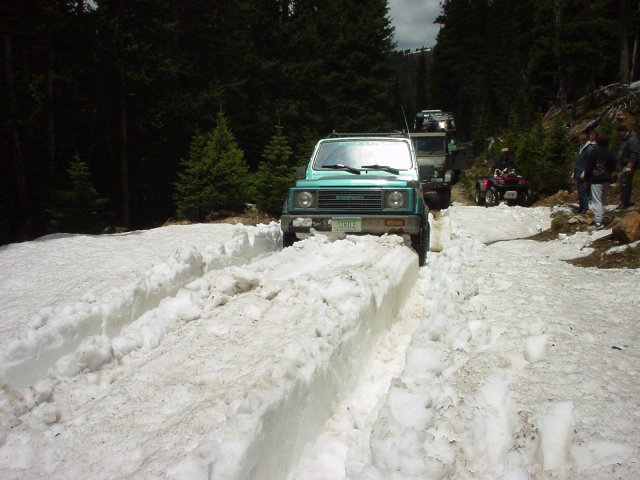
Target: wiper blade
x,y
385,168
340,166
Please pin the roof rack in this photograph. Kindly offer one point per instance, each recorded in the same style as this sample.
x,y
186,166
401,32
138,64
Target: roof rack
x,y
394,134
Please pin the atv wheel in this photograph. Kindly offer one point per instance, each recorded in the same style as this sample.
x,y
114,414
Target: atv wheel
x,y
479,199
490,198
420,244
288,239
526,198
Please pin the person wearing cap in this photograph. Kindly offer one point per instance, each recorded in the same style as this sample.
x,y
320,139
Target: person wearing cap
x,y
504,162
628,157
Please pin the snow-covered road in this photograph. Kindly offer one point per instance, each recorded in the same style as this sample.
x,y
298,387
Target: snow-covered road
x,y
204,351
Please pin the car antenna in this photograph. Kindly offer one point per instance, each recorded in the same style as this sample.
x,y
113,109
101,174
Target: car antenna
x,y
405,118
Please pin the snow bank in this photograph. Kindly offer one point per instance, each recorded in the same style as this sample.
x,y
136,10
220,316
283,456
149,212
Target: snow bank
x,y
490,388
61,334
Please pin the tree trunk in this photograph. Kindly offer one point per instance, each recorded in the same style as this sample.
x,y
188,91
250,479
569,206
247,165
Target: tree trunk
x,y
21,209
124,161
49,111
624,41
562,82
122,121
632,75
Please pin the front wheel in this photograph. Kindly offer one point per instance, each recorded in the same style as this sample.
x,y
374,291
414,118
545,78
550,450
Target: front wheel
x,y
288,239
420,244
479,199
444,197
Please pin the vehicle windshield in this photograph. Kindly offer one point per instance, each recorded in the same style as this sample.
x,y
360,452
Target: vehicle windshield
x,y
357,154
430,145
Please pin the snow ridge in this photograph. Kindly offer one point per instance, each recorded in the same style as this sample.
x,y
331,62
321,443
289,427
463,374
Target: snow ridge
x,y
271,426
64,334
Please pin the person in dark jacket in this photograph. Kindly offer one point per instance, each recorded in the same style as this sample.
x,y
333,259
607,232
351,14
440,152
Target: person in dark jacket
x,y
598,175
504,163
628,158
582,153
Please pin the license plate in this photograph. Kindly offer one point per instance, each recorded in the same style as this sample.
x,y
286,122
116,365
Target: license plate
x,y
346,224
511,195
437,180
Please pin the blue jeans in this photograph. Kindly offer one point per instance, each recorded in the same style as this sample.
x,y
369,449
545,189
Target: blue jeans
x,y
583,193
625,188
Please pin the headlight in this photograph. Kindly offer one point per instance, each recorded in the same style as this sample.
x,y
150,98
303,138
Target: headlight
x,y
303,199
448,177
395,199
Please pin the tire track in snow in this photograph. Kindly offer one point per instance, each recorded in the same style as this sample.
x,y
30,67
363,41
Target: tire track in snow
x,y
341,450
238,391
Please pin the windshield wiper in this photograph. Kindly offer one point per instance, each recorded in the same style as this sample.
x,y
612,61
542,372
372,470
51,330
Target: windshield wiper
x,y
385,168
340,166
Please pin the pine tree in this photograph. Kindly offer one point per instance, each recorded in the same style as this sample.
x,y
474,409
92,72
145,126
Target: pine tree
x,y
544,156
215,175
79,209
275,174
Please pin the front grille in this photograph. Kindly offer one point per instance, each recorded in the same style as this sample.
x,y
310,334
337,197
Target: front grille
x,y
350,200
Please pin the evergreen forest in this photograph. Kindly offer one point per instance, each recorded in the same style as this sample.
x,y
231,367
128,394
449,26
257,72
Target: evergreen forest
x,y
129,113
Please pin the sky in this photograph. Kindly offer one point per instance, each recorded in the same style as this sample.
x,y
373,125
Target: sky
x,y
209,352
413,22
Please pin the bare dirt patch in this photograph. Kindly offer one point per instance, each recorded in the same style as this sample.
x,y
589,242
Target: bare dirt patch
x,y
568,223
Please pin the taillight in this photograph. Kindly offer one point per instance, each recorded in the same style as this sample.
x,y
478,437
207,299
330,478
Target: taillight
x,y
522,181
485,182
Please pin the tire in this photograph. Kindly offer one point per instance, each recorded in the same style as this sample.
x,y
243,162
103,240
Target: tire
x,y
288,239
490,198
420,244
479,199
444,197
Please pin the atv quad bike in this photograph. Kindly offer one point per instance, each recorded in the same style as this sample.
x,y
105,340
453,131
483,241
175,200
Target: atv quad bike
x,y
503,186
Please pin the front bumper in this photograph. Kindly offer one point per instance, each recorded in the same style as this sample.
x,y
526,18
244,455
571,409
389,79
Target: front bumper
x,y
368,224
433,186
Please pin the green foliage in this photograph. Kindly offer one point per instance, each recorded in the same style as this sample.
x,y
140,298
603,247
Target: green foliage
x,y
275,175
500,64
128,84
79,208
543,156
215,176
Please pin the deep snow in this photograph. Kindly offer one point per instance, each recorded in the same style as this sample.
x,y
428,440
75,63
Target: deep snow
x,y
204,351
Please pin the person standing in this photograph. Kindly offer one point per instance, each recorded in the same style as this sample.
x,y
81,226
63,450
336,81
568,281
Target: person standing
x,y
581,157
598,175
628,157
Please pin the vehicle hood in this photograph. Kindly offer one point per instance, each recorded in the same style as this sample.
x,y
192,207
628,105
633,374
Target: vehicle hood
x,y
362,181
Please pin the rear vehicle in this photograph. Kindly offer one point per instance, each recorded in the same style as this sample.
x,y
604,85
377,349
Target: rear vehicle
x,y
440,156
359,184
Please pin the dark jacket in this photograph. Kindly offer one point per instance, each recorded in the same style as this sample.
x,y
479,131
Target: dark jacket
x,y
629,152
504,162
599,165
581,157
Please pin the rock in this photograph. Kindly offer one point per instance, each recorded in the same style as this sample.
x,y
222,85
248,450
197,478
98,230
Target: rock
x,y
627,230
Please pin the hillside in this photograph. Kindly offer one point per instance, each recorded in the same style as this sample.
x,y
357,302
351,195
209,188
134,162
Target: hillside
x,y
602,109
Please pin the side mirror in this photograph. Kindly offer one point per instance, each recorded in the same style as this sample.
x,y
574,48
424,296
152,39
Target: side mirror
x,y
301,172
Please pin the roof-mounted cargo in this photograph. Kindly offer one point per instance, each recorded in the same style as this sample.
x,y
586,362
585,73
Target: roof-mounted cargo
x,y
434,121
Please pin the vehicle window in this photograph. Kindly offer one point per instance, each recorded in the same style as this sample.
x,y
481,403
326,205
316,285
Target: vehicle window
x,y
359,153
430,145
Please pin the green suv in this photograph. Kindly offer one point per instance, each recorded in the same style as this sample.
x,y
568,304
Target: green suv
x,y
359,184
